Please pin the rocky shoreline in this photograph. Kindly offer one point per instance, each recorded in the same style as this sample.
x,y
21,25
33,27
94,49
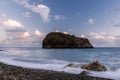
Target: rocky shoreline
x,y
9,72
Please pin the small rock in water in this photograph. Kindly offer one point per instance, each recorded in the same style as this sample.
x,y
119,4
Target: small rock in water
x,y
73,65
94,66
69,65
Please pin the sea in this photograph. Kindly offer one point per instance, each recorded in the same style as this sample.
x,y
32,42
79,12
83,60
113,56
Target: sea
x,y
57,59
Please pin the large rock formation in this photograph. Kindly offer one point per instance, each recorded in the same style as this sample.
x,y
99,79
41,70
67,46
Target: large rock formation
x,y
61,40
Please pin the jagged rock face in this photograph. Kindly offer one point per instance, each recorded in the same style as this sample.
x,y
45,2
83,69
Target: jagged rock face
x,y
94,66
61,40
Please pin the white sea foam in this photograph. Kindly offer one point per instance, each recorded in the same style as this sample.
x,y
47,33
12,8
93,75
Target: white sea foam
x,y
108,74
60,67
48,59
47,66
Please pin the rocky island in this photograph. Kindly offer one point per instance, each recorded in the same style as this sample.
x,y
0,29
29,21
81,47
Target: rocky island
x,y
61,40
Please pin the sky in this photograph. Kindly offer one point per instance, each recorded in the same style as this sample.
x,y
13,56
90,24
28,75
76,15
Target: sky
x,y
26,22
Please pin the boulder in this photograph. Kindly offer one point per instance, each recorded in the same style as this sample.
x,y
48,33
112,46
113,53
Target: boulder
x,y
61,40
94,66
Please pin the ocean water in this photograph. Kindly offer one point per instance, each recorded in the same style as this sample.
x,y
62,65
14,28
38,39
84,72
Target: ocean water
x,y
57,59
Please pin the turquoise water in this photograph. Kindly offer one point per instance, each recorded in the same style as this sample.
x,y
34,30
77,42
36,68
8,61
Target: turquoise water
x,y
56,59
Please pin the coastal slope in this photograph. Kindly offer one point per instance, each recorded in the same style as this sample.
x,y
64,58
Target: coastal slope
x,y
61,40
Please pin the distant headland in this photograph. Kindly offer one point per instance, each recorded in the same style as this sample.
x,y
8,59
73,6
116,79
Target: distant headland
x,y
62,40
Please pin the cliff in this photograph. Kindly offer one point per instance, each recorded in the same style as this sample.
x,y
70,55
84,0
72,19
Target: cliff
x,y
61,40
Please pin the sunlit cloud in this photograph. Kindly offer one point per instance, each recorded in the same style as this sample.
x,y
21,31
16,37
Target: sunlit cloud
x,y
98,37
102,39
26,34
65,32
23,37
38,33
103,35
111,38
11,23
82,36
41,9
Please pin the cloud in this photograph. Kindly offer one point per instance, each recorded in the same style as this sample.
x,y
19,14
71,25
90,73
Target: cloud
x,y
102,39
114,10
23,37
3,15
102,35
91,21
11,23
42,10
65,32
2,34
27,14
59,17
111,38
98,36
82,36
16,30
57,30
26,34
116,25
39,34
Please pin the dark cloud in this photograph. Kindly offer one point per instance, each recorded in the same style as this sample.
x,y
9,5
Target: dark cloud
x,y
116,25
113,10
16,30
116,9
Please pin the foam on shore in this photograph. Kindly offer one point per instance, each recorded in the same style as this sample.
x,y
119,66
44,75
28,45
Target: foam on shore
x,y
58,65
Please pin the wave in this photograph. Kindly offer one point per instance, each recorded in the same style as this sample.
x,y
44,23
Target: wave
x,y
57,65
108,74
